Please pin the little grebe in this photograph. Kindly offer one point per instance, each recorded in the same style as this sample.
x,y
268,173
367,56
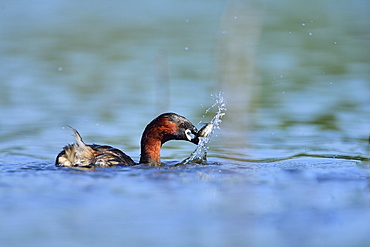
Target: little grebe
x,y
166,127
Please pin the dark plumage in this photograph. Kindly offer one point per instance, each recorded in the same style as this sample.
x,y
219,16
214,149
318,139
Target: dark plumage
x,y
166,127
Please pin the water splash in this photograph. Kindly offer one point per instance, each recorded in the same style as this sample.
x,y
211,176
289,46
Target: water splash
x,y
199,155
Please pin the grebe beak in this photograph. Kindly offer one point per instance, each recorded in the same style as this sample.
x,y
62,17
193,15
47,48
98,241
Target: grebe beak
x,y
195,140
191,135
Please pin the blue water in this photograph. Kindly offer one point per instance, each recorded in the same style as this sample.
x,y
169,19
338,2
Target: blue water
x,y
305,201
289,165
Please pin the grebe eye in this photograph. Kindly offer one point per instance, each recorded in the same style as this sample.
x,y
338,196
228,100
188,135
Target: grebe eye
x,y
190,136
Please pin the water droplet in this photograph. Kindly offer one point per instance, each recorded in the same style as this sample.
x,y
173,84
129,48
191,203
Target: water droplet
x,y
223,32
60,69
187,21
331,83
281,76
200,153
186,48
335,42
311,21
235,17
289,32
303,24
283,92
310,34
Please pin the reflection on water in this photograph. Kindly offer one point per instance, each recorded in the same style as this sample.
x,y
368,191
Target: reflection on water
x,y
240,28
288,166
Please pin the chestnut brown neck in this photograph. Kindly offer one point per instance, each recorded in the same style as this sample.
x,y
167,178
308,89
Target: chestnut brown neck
x,y
155,134
150,151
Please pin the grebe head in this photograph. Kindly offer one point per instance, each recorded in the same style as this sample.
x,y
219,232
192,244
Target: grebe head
x,y
171,126
168,126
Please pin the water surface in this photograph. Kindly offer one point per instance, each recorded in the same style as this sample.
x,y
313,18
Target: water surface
x,y
289,165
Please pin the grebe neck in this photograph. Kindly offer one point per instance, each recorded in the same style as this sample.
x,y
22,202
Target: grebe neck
x,y
150,151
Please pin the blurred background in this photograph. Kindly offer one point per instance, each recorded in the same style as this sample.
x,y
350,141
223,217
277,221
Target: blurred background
x,y
296,77
293,74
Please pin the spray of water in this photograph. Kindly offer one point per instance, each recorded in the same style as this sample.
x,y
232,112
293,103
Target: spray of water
x,y
199,155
